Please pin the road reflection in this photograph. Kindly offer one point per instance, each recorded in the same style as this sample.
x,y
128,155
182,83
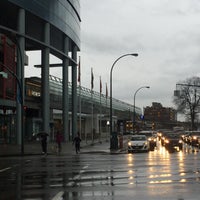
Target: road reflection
x,y
90,176
161,167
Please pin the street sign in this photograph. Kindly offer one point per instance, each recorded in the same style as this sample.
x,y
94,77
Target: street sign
x,y
4,74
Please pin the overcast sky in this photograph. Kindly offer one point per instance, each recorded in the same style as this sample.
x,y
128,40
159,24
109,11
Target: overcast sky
x,y
165,34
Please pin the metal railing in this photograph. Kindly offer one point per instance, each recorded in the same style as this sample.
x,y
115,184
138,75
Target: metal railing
x,y
86,93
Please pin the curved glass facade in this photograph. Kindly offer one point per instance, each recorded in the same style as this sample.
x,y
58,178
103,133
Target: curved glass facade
x,y
52,27
63,14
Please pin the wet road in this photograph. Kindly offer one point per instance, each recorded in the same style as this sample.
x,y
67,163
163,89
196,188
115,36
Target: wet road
x,y
101,175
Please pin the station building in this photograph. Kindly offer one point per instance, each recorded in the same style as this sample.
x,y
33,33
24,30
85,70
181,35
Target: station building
x,y
47,103
51,27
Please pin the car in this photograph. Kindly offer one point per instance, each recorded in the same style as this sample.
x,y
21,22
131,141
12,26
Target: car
x,y
151,136
193,138
138,143
152,143
164,136
173,142
185,138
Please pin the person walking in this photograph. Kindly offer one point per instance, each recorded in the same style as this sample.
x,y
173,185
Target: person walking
x,y
77,141
59,139
43,136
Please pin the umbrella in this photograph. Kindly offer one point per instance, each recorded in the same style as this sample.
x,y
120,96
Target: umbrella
x,y
42,133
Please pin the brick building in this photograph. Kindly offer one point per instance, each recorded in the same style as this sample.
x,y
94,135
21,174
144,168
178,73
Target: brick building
x,y
160,117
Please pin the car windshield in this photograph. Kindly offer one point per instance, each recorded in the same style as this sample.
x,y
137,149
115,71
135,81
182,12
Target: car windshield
x,y
148,134
138,138
173,136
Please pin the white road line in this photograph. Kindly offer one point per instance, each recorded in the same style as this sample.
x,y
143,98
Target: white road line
x,y
5,169
77,177
58,196
72,182
85,167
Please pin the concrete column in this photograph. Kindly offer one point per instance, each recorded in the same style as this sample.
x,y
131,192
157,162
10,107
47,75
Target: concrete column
x,y
20,74
45,80
74,93
65,96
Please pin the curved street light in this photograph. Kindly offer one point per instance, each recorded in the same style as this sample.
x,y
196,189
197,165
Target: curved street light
x,y
129,54
134,102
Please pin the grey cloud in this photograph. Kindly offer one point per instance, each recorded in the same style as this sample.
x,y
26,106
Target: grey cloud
x,y
165,33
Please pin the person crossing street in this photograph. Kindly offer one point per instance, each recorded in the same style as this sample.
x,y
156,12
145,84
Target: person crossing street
x,y
77,141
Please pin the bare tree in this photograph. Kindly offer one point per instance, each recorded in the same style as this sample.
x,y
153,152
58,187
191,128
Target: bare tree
x,y
187,99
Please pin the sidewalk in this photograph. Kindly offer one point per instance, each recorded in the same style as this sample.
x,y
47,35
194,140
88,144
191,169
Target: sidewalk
x,y
34,148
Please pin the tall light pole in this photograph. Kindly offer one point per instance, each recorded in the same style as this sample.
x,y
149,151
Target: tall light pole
x,y
134,103
130,54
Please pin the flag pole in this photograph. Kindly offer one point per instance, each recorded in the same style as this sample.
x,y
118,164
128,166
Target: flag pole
x,y
100,111
92,85
79,79
106,108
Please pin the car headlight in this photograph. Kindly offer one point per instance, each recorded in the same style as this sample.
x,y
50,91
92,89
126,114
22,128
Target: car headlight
x,y
194,137
167,141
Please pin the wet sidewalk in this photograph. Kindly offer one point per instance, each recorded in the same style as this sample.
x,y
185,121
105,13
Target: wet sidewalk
x,y
34,148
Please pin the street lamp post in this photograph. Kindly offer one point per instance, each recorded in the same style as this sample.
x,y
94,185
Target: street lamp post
x,y
134,103
130,54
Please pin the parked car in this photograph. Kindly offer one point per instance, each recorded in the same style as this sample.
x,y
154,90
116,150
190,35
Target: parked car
x,y
138,143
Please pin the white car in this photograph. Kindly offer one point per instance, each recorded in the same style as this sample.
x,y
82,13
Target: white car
x,y
138,143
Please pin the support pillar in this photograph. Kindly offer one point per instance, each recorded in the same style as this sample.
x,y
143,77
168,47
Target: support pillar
x,y
65,105
74,93
20,42
45,80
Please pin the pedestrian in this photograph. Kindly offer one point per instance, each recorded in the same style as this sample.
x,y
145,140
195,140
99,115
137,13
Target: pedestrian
x,y
44,142
59,139
77,141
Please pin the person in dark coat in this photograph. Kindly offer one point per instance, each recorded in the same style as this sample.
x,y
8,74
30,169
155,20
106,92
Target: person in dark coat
x,y
59,139
44,143
77,141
